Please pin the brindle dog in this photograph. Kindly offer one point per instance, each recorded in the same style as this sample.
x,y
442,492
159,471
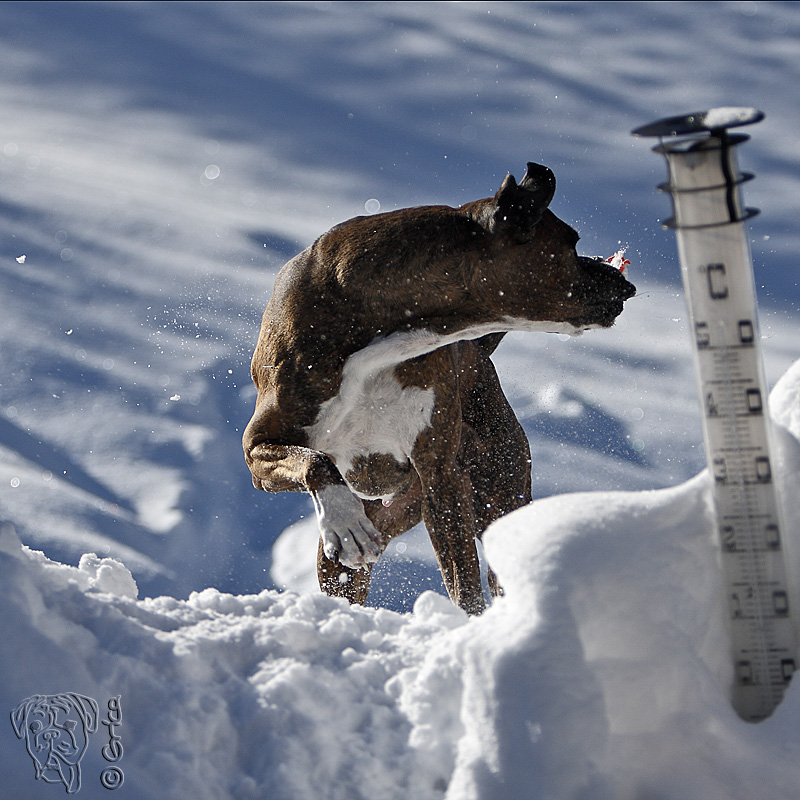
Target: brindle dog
x,y
376,393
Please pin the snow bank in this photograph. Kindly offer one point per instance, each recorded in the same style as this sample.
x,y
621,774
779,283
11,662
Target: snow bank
x,y
270,695
602,673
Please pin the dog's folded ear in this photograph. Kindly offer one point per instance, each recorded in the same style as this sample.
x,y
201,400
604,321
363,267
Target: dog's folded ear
x,y
539,181
517,207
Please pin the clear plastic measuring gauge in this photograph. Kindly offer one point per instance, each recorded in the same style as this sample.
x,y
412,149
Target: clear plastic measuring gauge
x,y
705,185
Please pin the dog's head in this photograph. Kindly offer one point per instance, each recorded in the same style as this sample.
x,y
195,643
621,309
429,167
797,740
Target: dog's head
x,y
506,256
533,251
55,729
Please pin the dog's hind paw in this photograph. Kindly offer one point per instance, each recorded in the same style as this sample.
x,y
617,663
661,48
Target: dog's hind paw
x,y
348,537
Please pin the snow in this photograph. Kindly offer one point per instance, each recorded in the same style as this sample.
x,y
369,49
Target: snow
x,y
601,673
158,163
729,117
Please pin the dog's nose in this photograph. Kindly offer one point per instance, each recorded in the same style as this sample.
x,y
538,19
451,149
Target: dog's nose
x,y
628,289
605,280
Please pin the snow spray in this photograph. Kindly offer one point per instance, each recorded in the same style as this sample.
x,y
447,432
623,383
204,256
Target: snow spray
x,y
709,221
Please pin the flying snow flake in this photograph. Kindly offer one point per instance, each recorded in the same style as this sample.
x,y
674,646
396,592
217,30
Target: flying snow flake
x,y
175,397
21,259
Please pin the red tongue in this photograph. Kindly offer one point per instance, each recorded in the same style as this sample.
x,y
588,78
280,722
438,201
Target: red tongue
x,y
621,262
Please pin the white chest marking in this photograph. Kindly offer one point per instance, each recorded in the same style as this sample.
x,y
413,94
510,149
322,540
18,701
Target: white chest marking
x,y
388,351
373,413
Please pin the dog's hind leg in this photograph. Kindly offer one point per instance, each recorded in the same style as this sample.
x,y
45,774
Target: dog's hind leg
x,y
337,580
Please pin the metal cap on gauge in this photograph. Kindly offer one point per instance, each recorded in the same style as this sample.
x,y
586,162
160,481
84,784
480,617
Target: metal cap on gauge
x,y
701,161
715,119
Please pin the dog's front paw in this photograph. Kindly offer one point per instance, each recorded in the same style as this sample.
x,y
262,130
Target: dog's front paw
x,y
348,537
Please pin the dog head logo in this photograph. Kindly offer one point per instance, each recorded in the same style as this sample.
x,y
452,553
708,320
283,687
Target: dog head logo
x,y
56,730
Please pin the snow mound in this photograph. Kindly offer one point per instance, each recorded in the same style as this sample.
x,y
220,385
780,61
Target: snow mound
x,y
783,401
107,575
602,672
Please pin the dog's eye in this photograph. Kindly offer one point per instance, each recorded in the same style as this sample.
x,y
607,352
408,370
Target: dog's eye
x,y
35,726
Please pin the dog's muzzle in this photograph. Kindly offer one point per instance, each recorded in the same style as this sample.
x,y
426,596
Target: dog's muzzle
x,y
603,291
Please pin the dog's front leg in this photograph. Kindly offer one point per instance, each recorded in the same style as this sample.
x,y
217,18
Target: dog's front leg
x,y
447,506
348,537
392,520
448,516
